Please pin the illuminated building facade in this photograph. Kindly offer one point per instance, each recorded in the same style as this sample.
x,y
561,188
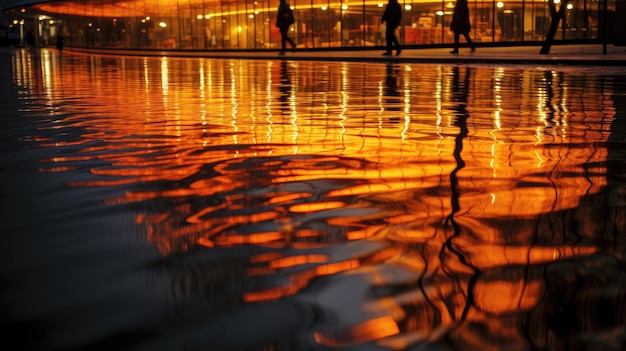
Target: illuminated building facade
x,y
249,25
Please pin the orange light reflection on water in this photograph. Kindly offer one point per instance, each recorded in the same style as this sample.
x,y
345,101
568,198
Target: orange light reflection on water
x,y
459,175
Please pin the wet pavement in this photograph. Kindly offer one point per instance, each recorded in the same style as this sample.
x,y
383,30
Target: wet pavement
x,y
587,54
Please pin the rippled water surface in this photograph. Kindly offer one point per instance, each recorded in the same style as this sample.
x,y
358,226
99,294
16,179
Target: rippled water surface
x,y
196,204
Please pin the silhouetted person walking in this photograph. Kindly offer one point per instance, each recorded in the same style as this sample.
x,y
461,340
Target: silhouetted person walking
x,y
392,17
461,25
284,20
59,43
30,38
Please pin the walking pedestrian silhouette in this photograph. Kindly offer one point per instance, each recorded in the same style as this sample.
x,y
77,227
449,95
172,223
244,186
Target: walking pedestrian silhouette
x,y
284,20
392,17
461,25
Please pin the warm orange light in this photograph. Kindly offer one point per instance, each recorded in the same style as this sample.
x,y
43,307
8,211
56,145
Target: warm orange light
x,y
316,206
368,331
364,233
486,256
297,260
506,297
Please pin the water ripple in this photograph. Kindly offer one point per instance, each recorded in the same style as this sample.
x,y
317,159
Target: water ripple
x,y
292,206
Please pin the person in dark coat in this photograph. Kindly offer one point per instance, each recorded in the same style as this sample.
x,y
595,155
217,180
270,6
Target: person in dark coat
x,y
392,16
59,43
461,25
30,38
284,20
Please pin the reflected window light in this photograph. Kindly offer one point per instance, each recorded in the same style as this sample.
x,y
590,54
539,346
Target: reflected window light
x,y
165,84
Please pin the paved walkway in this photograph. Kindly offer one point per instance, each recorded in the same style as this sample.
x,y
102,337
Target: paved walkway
x,y
588,54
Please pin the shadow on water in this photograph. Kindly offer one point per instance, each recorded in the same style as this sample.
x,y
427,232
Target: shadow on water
x,y
160,203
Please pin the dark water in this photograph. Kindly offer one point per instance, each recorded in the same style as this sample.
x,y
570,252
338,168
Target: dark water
x,y
194,204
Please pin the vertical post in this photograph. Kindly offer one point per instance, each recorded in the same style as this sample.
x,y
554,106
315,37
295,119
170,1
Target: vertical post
x,y
313,24
494,18
605,29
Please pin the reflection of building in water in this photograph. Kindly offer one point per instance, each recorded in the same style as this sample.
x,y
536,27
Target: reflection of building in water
x,y
219,154
342,132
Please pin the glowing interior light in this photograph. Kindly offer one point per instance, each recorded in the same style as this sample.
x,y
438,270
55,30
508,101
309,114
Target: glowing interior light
x,y
439,13
500,4
324,8
408,7
570,6
162,24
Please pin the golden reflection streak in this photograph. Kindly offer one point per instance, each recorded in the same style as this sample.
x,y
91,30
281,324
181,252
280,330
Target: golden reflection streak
x,y
485,256
288,197
46,62
315,207
344,101
298,281
234,104
268,105
504,297
165,82
292,261
407,103
374,329
146,75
